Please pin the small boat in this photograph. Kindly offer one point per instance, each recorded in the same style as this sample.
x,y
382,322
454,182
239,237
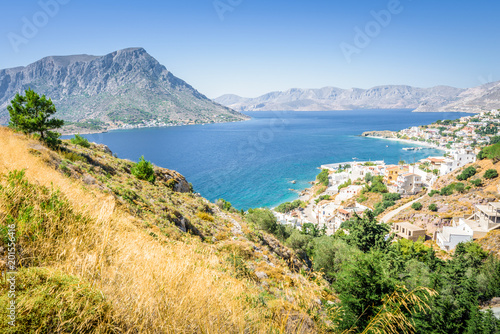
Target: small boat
x,y
386,145
293,182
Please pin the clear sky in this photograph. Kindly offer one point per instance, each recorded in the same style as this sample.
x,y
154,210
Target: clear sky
x,y
250,47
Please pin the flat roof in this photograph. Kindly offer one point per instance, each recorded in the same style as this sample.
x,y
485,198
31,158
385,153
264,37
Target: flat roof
x,y
487,210
410,226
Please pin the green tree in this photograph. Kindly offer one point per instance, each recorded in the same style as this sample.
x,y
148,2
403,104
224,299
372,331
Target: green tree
x,y
417,206
31,113
143,170
460,187
79,140
490,174
433,207
323,177
366,233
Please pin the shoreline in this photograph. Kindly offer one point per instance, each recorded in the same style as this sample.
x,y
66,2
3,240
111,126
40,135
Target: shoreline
x,y
90,132
409,141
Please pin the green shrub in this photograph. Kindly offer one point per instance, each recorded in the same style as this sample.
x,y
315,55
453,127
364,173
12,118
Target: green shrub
x,y
392,197
447,191
477,182
143,170
322,198
223,204
467,173
433,192
323,177
289,206
417,206
345,184
460,187
81,141
491,174
433,207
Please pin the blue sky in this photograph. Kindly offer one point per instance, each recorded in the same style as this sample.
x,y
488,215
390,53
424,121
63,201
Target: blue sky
x,y
266,45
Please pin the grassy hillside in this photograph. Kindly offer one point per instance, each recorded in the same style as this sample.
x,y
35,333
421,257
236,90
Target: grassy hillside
x,y
101,251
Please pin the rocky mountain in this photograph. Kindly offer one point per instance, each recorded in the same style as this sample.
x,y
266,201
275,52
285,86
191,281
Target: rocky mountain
x,y
331,98
476,99
124,87
439,98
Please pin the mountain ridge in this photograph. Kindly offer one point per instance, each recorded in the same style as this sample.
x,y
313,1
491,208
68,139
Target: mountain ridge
x,y
124,87
438,98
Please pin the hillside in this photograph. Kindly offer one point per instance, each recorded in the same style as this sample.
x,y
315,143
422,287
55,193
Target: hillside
x,y
125,87
457,204
146,257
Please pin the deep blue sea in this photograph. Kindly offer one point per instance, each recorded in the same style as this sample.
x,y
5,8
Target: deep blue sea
x,y
252,163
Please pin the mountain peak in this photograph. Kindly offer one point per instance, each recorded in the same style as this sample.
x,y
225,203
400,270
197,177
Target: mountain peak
x,y
124,87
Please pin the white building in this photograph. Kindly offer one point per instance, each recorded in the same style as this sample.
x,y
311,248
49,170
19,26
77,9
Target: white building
x,y
450,237
459,158
347,193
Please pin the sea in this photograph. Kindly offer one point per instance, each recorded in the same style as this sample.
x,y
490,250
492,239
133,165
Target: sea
x,y
253,163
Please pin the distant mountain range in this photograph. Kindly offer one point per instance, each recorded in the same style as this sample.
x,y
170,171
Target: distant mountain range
x,y
437,99
124,87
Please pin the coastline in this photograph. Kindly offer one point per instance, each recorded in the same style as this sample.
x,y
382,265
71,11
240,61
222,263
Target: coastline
x,y
409,141
90,132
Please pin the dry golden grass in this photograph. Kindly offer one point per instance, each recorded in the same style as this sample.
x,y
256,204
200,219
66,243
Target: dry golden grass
x,y
153,287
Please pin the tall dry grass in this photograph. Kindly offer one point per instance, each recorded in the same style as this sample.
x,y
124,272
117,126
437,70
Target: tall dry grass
x,y
153,287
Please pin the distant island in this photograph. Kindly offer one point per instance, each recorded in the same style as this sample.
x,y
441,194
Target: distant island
x,y
124,89
435,99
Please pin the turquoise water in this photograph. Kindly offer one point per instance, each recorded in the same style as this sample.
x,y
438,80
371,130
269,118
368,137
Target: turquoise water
x,y
252,163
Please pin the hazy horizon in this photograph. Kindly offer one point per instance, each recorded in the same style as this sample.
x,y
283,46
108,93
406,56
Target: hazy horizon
x,y
249,48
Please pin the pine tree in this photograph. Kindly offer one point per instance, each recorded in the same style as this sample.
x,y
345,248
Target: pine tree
x,y
32,114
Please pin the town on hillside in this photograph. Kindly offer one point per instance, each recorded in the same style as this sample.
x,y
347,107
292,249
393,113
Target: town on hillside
x,y
348,189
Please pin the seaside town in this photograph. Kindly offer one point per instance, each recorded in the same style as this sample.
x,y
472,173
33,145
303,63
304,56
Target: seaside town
x,y
344,190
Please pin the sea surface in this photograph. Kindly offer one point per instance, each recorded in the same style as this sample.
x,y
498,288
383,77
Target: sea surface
x,y
252,163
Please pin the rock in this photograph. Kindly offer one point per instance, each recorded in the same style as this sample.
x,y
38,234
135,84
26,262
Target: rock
x,y
104,148
261,275
88,179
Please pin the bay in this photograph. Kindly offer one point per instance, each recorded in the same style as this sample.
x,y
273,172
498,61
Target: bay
x,y
252,163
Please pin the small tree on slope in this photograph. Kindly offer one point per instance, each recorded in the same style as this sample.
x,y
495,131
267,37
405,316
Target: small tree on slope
x,y
31,114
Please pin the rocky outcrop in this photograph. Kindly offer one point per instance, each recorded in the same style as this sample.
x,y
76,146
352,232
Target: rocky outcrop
x,y
382,134
126,86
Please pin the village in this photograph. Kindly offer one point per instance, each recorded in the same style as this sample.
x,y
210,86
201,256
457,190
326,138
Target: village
x,y
342,189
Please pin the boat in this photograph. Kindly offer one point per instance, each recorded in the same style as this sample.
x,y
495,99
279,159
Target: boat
x,y
293,182
412,148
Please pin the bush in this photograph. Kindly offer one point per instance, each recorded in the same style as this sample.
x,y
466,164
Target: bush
x,y
223,204
392,197
491,152
447,191
262,219
491,174
323,177
417,206
477,182
205,216
433,192
81,141
460,187
143,170
467,173
322,198
289,206
345,184
433,207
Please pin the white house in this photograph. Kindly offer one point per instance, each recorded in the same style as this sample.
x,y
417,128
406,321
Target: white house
x,y
348,193
409,184
450,236
459,158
